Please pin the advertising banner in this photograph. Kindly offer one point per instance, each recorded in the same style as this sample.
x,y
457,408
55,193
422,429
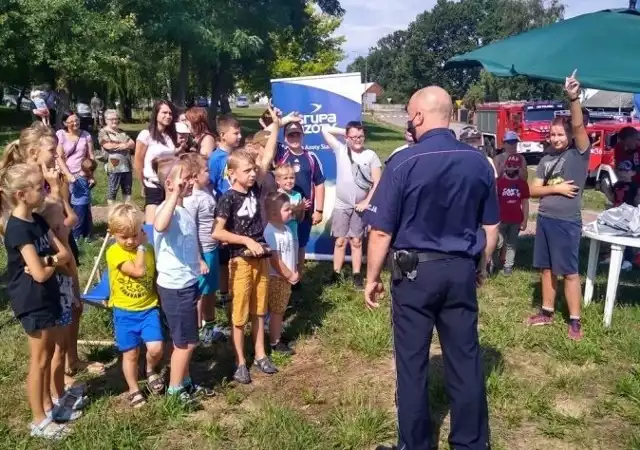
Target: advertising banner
x,y
322,100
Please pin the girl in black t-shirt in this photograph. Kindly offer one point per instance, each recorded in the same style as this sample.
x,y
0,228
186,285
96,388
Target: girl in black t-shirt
x,y
33,253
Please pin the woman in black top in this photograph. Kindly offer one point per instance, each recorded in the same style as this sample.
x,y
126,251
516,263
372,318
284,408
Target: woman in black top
x,y
33,253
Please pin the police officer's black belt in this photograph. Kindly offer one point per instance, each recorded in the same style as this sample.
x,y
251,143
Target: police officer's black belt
x,y
405,262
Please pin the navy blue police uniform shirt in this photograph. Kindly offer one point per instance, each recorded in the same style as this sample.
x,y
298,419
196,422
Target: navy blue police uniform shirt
x,y
435,195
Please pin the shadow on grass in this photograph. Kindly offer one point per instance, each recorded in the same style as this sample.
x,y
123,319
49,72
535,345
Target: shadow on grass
x,y
493,361
309,309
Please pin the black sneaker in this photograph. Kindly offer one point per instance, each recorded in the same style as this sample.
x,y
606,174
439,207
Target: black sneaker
x,y
283,348
358,282
265,365
336,278
242,375
195,390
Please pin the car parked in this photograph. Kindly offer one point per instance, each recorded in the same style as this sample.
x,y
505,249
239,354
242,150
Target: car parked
x,y
242,101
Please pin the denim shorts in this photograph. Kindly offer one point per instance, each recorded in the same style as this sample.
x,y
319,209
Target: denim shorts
x,y
180,307
304,231
132,328
557,245
208,283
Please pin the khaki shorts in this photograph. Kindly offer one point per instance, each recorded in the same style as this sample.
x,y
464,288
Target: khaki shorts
x,y
249,282
279,293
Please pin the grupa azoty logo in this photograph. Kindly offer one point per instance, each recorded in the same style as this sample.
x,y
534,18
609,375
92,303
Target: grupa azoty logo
x,y
313,122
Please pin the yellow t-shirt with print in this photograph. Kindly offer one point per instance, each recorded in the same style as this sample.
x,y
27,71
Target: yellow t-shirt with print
x,y
131,294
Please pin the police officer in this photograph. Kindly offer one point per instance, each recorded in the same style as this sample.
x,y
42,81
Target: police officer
x,y
432,200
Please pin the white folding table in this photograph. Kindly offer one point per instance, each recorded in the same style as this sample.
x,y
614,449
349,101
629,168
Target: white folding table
x,y
618,244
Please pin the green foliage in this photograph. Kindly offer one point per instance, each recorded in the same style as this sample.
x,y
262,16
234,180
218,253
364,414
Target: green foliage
x,y
407,60
138,49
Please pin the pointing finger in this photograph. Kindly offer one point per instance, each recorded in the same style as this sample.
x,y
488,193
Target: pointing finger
x,y
575,71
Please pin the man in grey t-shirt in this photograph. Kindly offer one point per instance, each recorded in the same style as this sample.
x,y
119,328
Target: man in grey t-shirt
x,y
358,173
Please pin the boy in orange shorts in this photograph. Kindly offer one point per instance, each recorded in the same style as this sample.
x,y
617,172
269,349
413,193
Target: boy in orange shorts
x,y
239,224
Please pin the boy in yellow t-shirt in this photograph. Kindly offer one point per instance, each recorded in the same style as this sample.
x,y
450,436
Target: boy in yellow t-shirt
x,y
133,298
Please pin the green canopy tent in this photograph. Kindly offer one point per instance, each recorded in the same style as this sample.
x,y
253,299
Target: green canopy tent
x,y
603,46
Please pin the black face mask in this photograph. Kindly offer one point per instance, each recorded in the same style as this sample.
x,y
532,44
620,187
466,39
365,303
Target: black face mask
x,y
412,129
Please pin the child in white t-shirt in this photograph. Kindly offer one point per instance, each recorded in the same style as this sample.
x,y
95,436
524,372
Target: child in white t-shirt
x,y
283,271
178,267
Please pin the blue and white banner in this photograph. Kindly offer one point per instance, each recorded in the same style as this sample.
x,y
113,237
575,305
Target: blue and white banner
x,y
322,100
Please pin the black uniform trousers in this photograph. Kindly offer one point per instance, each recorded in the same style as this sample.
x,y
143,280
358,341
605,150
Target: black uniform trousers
x,y
444,295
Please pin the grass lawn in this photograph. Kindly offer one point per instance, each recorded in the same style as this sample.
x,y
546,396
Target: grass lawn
x,y
544,391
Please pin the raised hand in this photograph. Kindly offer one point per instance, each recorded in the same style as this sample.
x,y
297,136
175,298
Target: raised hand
x,y
293,116
572,86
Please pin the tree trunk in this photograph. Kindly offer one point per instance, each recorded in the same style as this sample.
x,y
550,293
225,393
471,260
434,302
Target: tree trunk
x,y
183,82
215,96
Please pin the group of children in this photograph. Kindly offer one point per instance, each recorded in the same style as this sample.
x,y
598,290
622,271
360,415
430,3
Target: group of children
x,y
189,231
164,288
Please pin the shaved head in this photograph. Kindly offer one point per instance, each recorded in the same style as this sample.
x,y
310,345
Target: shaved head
x,y
430,108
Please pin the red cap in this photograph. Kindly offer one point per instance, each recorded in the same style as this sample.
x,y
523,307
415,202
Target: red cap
x,y
513,161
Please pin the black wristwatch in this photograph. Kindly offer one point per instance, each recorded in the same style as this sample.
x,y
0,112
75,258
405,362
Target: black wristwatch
x,y
319,211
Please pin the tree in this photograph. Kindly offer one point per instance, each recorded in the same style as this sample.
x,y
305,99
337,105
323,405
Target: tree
x,y
407,60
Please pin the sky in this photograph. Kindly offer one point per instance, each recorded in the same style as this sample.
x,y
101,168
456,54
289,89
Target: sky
x,y
366,21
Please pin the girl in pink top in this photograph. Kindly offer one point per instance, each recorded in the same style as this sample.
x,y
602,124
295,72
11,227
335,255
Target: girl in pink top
x,y
74,144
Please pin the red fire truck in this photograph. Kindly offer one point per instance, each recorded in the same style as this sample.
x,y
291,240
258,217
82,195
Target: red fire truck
x,y
604,136
530,120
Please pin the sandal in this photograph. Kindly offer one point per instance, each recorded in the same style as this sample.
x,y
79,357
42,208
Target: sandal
x,y
136,400
155,383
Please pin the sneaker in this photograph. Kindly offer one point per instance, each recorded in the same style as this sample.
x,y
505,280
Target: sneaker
x,y
539,319
508,271
195,390
358,282
61,413
336,278
242,375
75,402
266,366
182,395
575,330
223,299
283,348
206,336
48,429
626,266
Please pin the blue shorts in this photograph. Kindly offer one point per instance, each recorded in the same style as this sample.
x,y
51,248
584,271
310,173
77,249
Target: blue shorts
x,y
557,245
131,328
304,231
180,307
208,283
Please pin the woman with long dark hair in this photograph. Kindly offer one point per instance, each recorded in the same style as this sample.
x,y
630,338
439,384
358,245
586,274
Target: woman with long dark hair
x,y
198,122
157,140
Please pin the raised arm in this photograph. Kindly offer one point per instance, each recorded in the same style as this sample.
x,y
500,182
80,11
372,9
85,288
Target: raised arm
x,y
580,136
329,134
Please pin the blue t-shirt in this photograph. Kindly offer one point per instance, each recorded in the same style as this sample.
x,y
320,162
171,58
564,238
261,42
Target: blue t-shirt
x,y
307,168
435,195
295,198
80,191
218,173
